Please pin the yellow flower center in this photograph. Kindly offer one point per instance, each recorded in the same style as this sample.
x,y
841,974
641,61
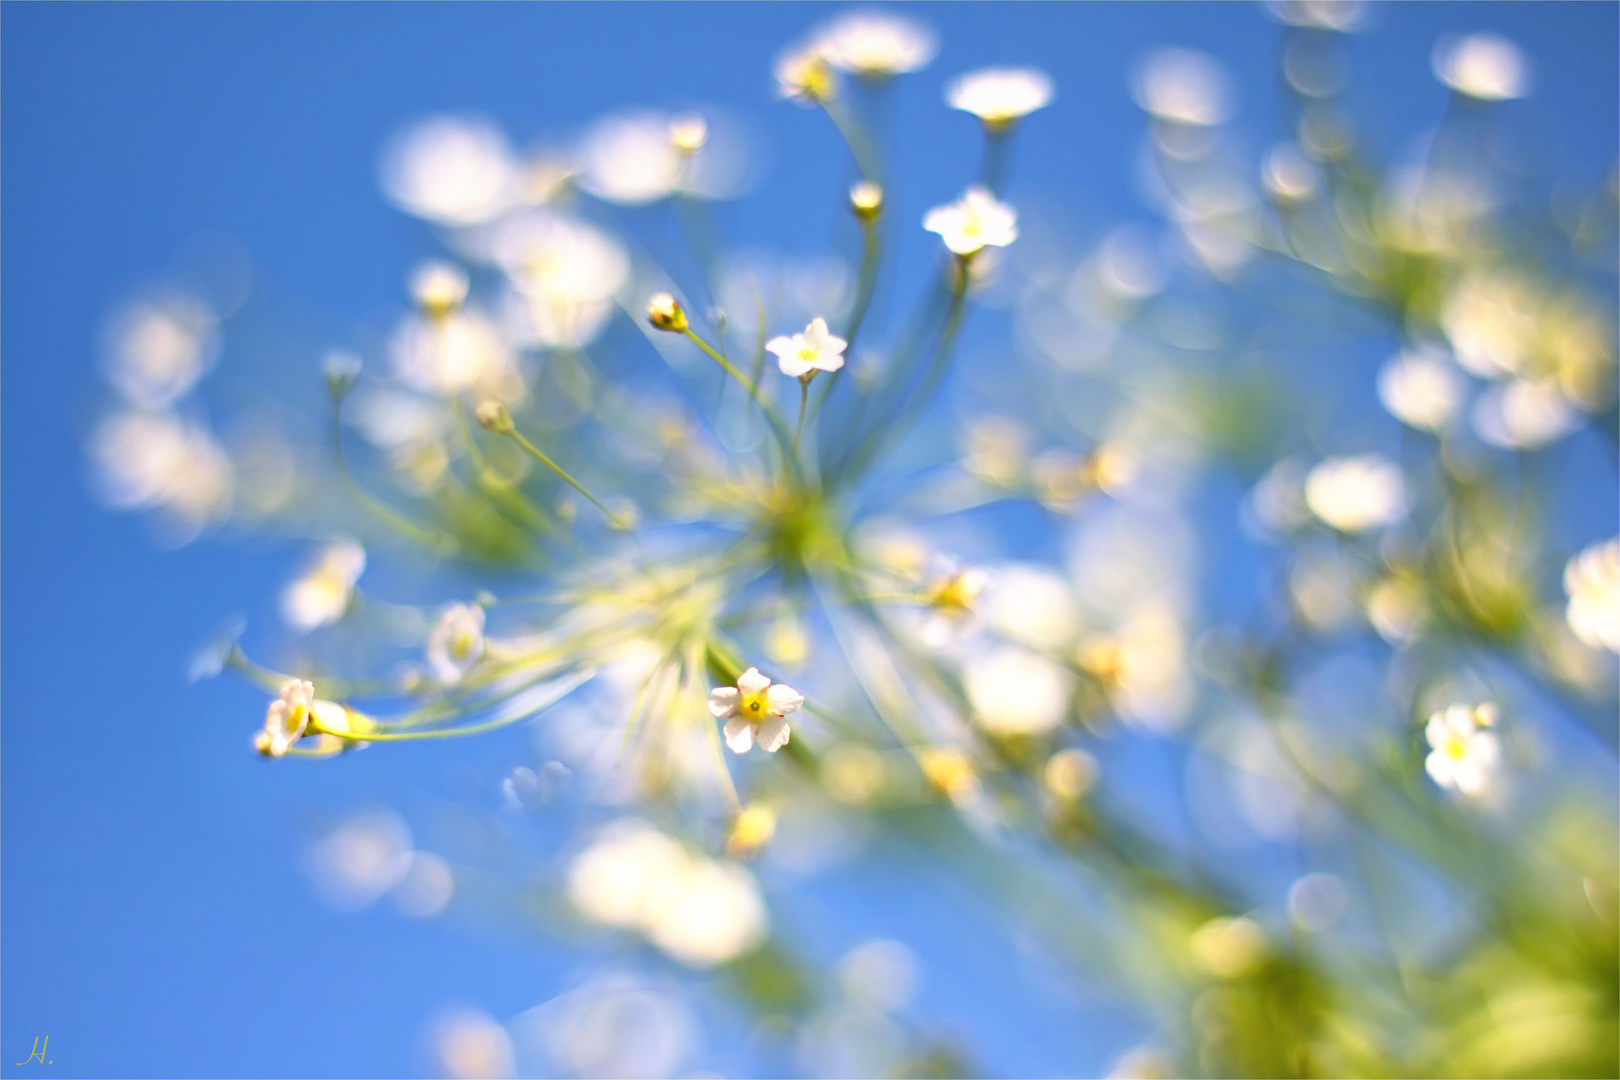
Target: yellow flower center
x,y
753,707
1455,748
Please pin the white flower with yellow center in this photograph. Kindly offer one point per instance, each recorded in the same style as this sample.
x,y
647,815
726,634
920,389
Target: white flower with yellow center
x,y
754,710
438,288
457,642
1421,388
814,350
1463,752
286,719
1592,580
804,75
1356,494
998,96
974,221
875,44
324,591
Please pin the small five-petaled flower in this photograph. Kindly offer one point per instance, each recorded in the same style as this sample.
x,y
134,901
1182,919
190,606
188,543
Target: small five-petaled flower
x,y
753,711
814,350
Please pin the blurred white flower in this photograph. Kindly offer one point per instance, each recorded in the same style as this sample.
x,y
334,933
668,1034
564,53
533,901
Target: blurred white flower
x,y
285,720
753,709
1464,753
804,75
1289,175
881,974
950,601
1183,87
438,288
637,158
974,221
426,888
451,170
1490,319
1356,494
875,44
567,273
458,353
358,862
1277,500
1482,66
1032,606
1344,16
1421,388
998,96
1016,692
156,460
1524,414
615,1025
457,642
699,911
157,348
471,1045
1070,773
814,350
321,594
1592,581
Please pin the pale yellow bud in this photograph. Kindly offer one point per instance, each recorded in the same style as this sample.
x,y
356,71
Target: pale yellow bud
x,y
492,416
866,199
688,134
666,313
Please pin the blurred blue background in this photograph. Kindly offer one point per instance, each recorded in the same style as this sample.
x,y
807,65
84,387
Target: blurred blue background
x,y
155,917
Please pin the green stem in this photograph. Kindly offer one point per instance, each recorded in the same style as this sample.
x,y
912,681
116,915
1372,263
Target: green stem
x,y
798,428
441,544
540,456
753,389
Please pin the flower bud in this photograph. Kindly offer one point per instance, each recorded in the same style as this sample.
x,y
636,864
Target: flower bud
x,y
492,416
666,313
866,199
342,369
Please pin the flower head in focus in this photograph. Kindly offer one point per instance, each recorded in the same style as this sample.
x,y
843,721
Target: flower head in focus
x,y
457,642
876,44
973,222
1482,66
754,709
322,593
1592,580
998,96
814,350
286,719
1356,494
1463,751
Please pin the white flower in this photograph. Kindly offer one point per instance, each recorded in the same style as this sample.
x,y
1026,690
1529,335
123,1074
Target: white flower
x,y
1524,414
876,44
460,352
566,273
1016,692
753,709
1592,580
457,642
1344,16
1356,494
159,347
1490,319
1421,389
998,96
438,287
974,221
322,593
155,460
1482,66
1463,753
1183,87
637,158
699,911
286,719
1289,175
804,75
952,598
451,170
814,350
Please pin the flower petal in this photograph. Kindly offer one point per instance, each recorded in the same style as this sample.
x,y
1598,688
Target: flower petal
x,y
782,346
783,699
1439,768
739,736
792,365
752,682
773,734
723,702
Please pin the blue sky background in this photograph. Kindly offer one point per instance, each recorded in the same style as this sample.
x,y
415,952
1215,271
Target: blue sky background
x,y
155,919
